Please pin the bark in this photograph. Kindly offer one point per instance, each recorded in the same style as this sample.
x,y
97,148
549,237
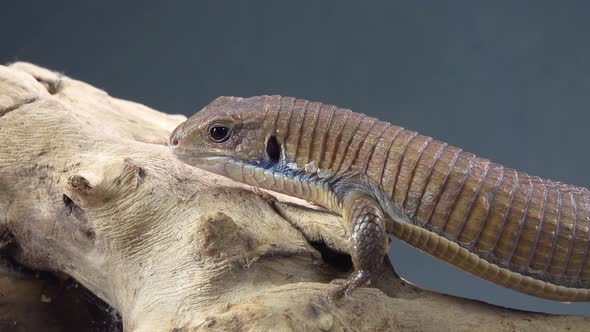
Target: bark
x,y
90,192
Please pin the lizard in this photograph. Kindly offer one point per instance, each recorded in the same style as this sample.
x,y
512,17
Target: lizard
x,y
519,231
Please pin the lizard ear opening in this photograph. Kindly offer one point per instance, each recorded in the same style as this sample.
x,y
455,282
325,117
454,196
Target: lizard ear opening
x,y
273,149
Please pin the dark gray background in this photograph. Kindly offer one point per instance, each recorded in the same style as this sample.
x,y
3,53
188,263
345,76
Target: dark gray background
x,y
507,80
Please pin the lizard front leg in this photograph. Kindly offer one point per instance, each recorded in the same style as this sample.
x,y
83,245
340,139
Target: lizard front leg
x,y
363,220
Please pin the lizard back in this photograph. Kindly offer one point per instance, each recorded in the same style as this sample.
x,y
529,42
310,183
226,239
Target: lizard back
x,y
517,230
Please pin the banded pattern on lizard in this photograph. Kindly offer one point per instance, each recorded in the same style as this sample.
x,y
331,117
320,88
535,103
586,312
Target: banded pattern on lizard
x,y
519,231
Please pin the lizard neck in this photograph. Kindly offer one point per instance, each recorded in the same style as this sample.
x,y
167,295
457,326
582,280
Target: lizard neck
x,y
319,187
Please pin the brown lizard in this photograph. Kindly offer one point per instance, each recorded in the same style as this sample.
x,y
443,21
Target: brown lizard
x,y
519,231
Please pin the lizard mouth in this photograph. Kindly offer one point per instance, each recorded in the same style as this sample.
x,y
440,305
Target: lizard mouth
x,y
209,163
197,156
204,159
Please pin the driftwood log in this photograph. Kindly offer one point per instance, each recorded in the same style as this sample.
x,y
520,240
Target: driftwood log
x,y
90,192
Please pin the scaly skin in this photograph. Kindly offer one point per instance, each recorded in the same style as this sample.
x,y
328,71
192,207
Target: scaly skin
x,y
516,230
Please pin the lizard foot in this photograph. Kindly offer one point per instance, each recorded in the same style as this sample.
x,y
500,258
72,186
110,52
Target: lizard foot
x,y
357,279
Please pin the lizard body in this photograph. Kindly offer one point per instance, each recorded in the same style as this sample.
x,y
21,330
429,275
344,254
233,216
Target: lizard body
x,y
516,230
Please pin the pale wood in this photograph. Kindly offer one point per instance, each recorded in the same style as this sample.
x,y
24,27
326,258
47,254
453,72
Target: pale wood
x,y
170,246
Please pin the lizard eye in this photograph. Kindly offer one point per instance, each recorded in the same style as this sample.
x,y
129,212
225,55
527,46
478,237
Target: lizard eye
x,y
219,133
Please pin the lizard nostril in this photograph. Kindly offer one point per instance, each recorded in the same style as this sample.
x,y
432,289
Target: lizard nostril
x,y
175,141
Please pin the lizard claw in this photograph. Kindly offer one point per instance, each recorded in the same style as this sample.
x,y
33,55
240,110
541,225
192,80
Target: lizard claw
x,y
347,286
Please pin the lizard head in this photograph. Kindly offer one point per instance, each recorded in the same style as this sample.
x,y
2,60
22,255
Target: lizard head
x,y
228,129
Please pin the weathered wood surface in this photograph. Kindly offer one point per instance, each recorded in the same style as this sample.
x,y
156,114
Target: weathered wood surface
x,y
89,190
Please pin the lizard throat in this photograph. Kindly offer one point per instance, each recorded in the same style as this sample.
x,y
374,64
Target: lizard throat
x,y
306,183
